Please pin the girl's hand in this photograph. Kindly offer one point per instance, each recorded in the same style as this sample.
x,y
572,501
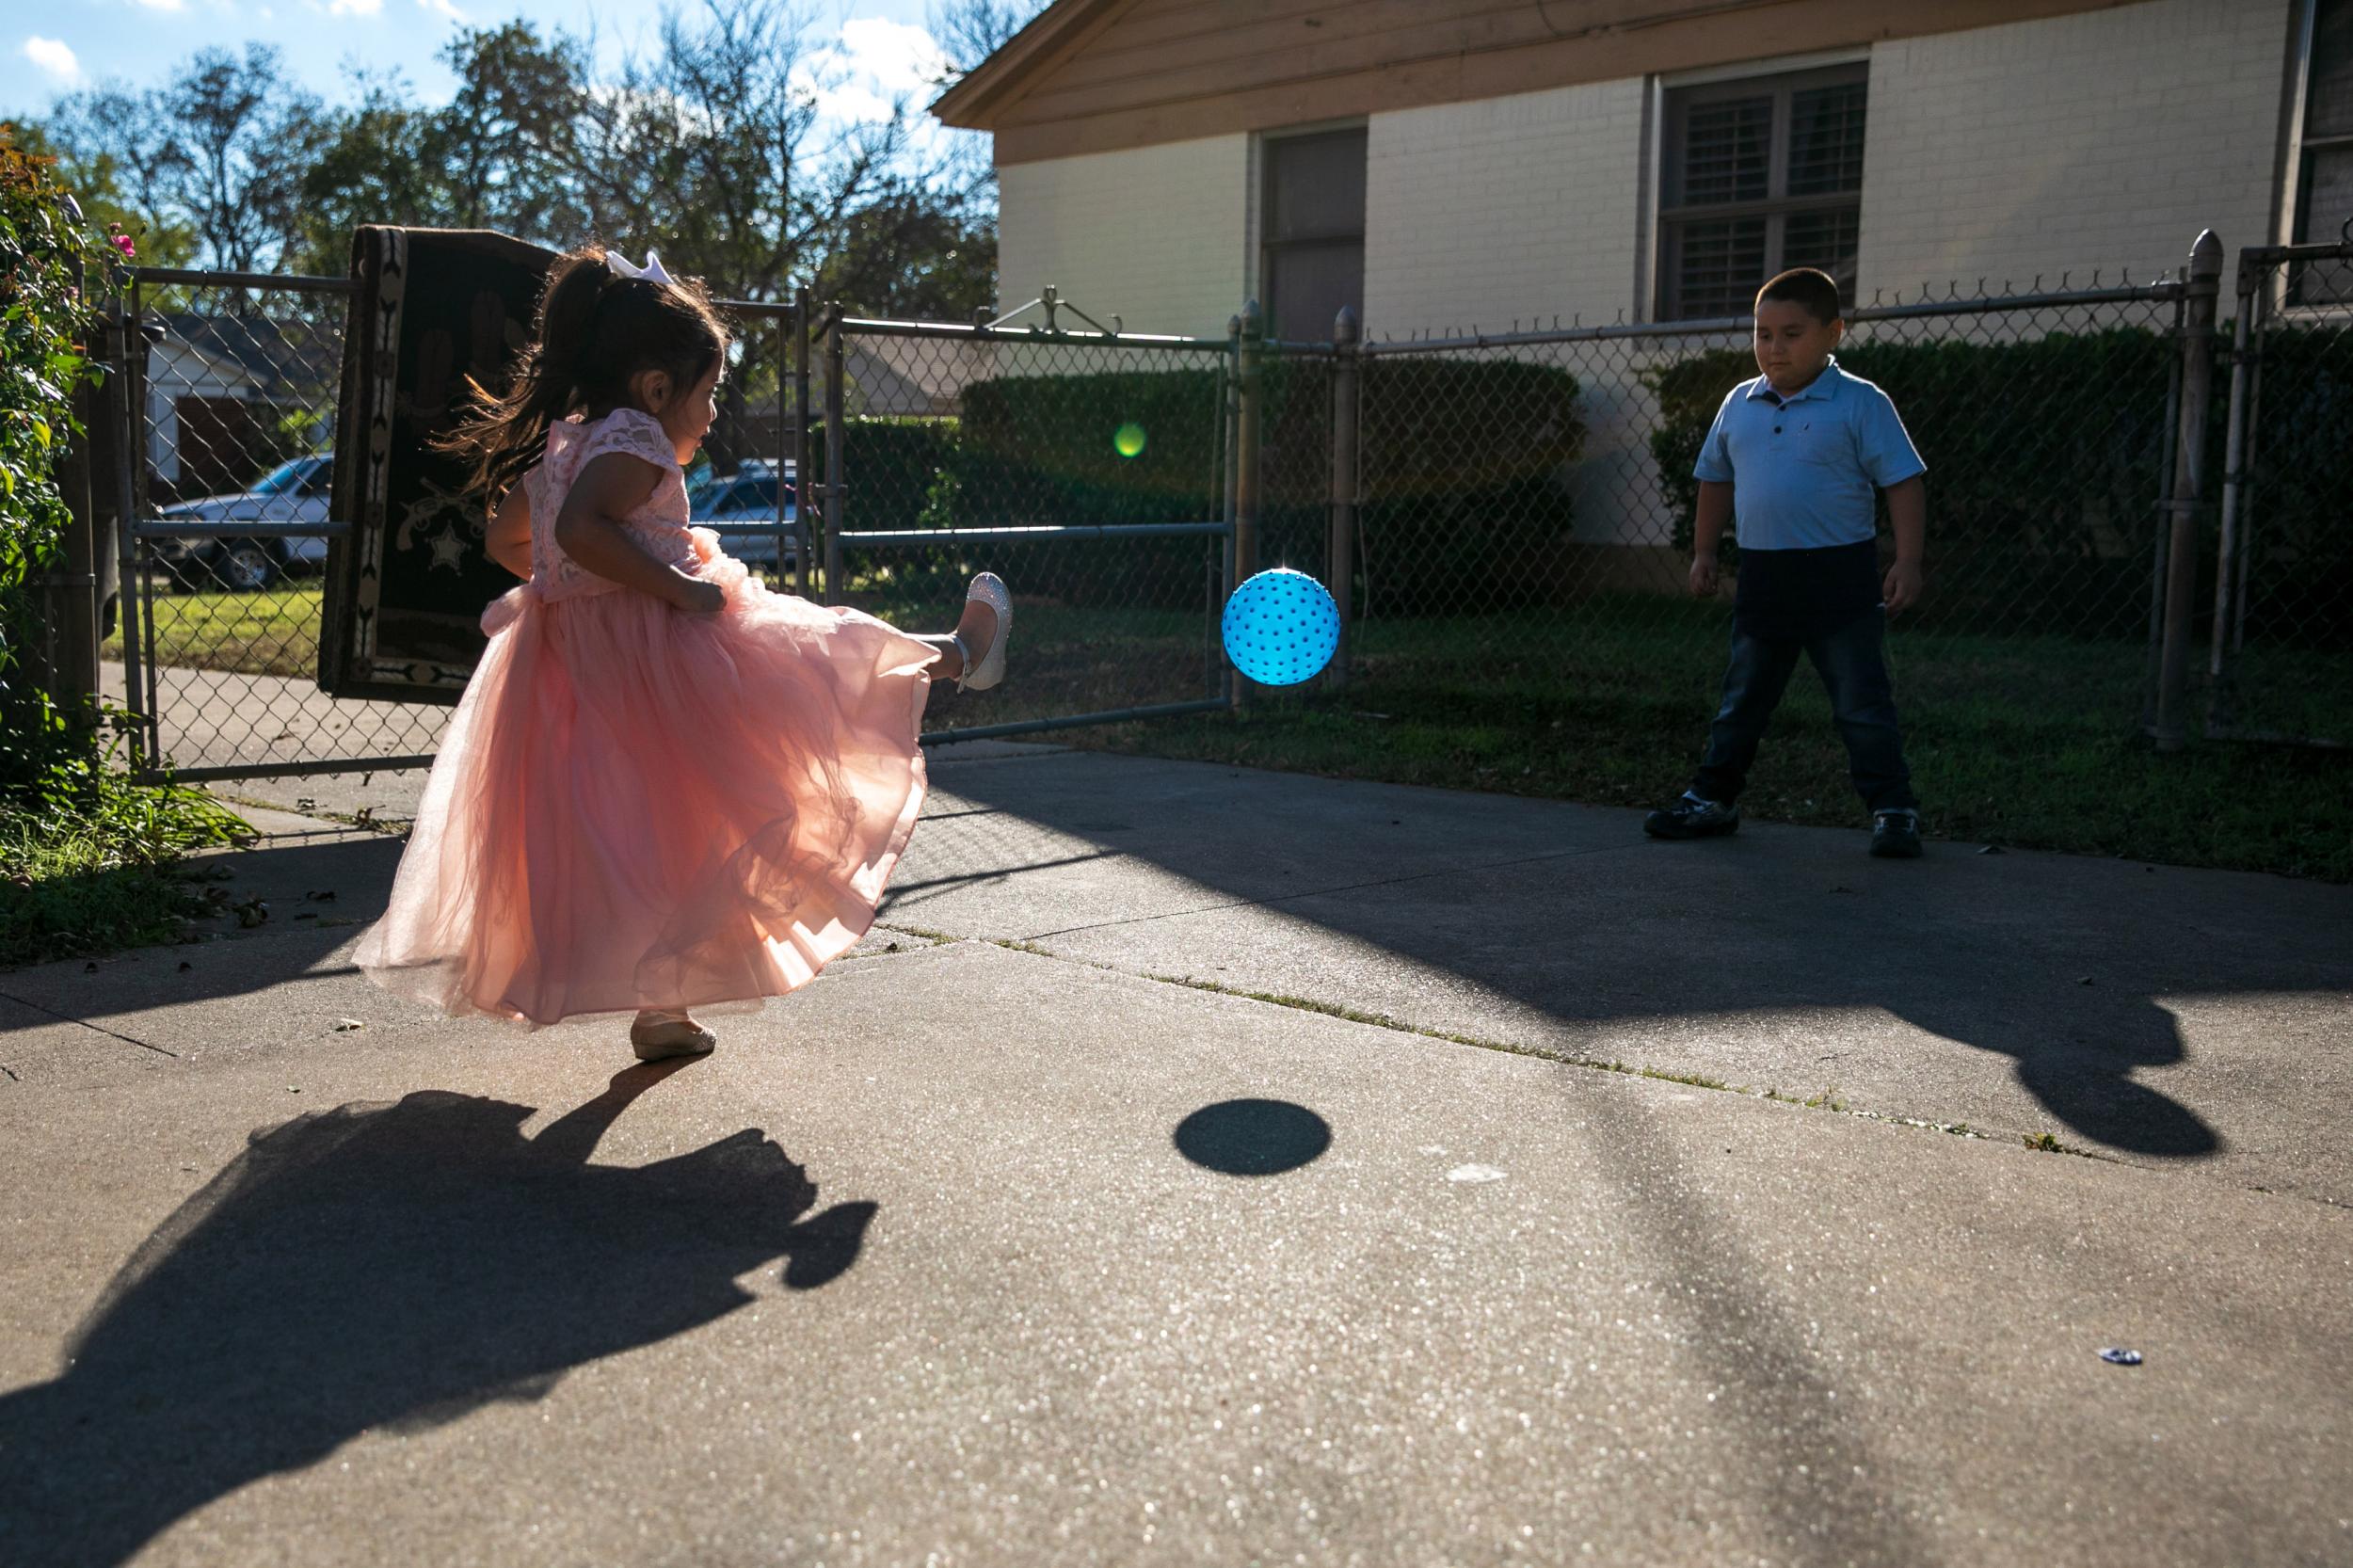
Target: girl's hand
x,y
699,598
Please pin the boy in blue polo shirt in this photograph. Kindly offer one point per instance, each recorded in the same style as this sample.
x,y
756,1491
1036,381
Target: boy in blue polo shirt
x,y
1794,458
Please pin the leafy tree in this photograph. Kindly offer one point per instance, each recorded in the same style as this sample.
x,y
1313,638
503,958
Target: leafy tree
x,y
970,31
507,148
372,163
219,149
915,251
708,146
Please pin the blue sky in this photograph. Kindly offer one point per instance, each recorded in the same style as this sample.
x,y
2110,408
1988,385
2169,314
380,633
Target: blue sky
x,y
57,45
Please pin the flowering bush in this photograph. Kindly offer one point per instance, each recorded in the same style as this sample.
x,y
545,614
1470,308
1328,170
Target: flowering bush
x,y
44,253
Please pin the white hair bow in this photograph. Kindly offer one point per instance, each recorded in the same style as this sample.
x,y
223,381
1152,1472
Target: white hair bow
x,y
651,271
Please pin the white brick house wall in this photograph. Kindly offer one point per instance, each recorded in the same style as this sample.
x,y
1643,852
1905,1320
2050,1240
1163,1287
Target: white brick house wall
x,y
1504,208
2106,139
1156,234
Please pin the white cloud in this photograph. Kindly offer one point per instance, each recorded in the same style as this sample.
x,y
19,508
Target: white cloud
x,y
355,7
900,56
53,57
441,8
164,5
875,65
852,103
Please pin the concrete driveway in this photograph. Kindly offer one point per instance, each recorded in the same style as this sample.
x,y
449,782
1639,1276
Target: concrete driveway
x,y
1209,1166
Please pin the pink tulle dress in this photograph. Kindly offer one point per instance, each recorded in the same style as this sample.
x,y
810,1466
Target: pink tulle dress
x,y
636,808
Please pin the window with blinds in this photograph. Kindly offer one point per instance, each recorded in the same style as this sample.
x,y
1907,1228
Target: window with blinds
x,y
1759,175
1313,216
2324,186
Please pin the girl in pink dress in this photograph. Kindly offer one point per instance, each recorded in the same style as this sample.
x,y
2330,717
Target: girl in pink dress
x,y
665,787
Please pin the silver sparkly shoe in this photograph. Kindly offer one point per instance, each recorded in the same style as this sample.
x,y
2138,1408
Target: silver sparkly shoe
x,y
659,1034
991,591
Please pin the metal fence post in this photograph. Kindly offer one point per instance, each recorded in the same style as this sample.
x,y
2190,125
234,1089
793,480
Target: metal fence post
x,y
834,485
1223,581
1250,347
2251,301
128,345
801,473
2181,567
1341,550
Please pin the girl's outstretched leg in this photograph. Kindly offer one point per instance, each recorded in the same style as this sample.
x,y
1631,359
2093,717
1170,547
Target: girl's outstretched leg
x,y
662,1031
971,656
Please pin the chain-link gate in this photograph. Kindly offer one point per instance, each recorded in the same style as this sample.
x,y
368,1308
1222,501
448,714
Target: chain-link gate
x,y
1084,468
226,393
2282,662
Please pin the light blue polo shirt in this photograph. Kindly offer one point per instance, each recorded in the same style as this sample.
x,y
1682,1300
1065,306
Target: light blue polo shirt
x,y
1803,469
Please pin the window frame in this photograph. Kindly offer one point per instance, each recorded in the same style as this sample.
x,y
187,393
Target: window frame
x,y
1670,217
2300,146
2305,142
1270,143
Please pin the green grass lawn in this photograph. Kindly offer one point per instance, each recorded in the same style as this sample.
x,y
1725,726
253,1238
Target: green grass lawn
x,y
272,632
2019,740
2016,740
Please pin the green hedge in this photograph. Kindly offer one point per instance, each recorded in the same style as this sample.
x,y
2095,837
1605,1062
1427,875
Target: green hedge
x,y
1044,450
1463,467
2302,471
894,466
2044,459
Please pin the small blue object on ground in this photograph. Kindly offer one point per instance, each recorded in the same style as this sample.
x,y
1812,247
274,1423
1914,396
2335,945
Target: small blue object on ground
x,y
2119,1356
1281,628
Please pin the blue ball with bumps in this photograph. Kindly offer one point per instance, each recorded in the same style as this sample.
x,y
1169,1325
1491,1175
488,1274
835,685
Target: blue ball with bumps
x,y
1281,628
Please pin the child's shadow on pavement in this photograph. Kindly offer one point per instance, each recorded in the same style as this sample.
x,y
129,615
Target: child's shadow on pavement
x,y
2078,1063
384,1265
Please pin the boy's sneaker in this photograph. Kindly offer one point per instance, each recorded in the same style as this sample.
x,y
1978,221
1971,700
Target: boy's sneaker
x,y
1692,818
1896,835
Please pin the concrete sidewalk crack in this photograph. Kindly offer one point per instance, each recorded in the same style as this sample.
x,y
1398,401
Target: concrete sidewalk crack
x,y
1826,1102
1273,900
85,1023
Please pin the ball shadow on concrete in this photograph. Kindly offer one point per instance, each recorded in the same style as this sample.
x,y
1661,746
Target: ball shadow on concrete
x,y
385,1267
1253,1137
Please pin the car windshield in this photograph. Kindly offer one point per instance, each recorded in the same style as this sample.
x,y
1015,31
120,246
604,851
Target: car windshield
x,y
286,478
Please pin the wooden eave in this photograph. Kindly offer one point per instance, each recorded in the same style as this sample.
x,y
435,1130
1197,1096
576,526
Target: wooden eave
x,y
1070,84
1050,36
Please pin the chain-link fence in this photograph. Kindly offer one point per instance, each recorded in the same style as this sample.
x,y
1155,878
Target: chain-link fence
x,y
1085,468
1524,502
228,391
2282,663
744,484
1492,509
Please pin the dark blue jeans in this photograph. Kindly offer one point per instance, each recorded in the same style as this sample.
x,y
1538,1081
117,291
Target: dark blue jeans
x,y
1853,663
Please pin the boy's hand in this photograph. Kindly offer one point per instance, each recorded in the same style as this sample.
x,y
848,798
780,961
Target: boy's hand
x,y
1702,577
1903,588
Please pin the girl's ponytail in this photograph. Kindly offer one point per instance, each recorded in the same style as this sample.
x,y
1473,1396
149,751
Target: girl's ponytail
x,y
595,330
567,312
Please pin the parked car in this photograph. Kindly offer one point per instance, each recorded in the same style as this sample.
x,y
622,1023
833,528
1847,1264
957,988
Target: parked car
x,y
754,494
294,491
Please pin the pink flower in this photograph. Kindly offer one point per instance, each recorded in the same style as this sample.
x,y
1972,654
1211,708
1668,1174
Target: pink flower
x,y
122,243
